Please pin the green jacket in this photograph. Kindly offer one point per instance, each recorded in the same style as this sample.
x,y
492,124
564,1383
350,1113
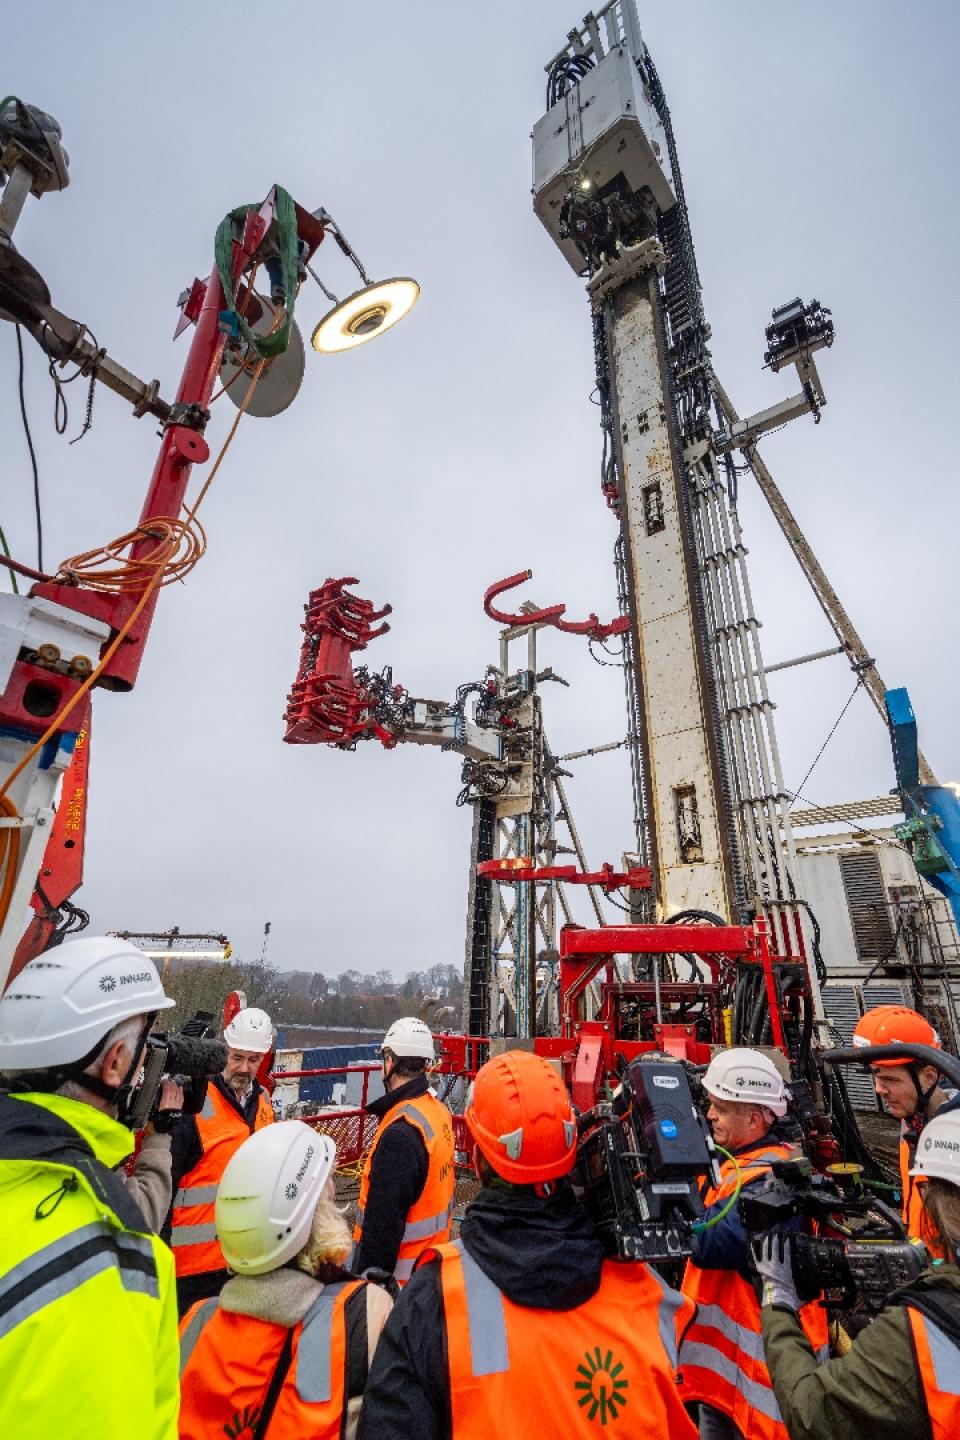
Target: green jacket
x,y
88,1314
873,1391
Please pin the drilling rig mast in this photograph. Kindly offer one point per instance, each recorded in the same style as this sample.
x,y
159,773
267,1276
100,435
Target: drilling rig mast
x,y
714,825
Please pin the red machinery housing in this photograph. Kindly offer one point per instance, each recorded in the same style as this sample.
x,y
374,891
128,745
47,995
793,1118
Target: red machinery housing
x,y
328,704
684,1018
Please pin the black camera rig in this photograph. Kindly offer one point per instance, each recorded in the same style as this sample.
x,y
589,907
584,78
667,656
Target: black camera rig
x,y
640,1159
859,1251
190,1058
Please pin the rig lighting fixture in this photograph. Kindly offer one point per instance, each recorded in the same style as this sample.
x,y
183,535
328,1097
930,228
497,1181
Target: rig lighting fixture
x,y
366,313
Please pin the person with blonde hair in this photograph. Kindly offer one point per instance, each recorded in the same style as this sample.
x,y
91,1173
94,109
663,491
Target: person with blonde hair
x,y
287,1344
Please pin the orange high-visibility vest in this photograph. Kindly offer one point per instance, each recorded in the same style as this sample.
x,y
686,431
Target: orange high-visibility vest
x,y
938,1361
227,1362
608,1368
721,1359
914,1214
430,1220
193,1234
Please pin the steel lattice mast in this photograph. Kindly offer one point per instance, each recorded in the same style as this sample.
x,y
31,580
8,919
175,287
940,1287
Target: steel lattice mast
x,y
713,818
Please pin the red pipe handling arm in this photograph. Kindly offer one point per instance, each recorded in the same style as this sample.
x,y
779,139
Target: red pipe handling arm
x,y
327,704
548,615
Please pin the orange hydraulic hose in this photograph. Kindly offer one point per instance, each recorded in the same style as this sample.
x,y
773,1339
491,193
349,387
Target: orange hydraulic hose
x,y
9,854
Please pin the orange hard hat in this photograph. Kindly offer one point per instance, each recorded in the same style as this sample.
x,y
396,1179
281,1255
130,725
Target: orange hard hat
x,y
520,1115
894,1025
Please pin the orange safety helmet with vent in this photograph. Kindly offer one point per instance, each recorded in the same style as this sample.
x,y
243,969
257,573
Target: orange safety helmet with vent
x,y
894,1025
520,1115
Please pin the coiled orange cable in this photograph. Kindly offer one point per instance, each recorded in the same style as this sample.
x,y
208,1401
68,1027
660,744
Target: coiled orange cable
x,y
180,545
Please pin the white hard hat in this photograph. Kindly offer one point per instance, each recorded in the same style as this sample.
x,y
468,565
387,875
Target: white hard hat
x,y
250,1030
746,1076
268,1195
938,1148
66,1001
409,1036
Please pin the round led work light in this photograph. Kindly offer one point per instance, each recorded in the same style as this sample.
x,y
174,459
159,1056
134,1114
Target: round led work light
x,y
365,314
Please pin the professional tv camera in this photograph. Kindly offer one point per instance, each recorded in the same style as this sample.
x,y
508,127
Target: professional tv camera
x,y
860,1251
640,1158
190,1058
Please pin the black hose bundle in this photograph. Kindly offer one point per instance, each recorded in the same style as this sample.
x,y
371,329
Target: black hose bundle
x,y
566,72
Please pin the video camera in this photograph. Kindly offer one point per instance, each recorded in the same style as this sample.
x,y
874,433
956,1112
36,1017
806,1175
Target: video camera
x,y
858,1267
190,1059
640,1159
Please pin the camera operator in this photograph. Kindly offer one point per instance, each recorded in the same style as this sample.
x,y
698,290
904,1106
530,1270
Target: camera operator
x,y
900,1380
523,1326
910,1091
722,1354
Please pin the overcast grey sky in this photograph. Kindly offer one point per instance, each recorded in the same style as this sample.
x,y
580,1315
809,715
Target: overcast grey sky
x,y
818,148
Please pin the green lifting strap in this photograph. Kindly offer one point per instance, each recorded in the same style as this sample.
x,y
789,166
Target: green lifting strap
x,y
266,346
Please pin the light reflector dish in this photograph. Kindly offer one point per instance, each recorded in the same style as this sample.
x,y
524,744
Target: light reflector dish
x,y
365,314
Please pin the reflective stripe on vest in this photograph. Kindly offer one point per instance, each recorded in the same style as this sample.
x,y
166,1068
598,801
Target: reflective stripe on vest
x,y
228,1359
432,1225
193,1232
714,1317
485,1318
196,1195
195,1320
671,1305
605,1360
429,1221
722,1359
938,1361
313,1352
60,1267
757,1395
419,1229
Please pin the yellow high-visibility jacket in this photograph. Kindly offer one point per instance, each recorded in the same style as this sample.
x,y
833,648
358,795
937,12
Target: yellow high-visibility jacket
x,y
88,1312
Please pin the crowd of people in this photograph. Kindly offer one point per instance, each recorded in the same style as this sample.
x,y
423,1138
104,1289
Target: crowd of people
x,y
225,1227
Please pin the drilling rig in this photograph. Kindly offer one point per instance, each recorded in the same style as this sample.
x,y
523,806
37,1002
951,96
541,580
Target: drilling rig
x,y
723,945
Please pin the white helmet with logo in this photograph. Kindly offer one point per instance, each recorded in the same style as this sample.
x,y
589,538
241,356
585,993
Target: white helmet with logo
x,y
938,1148
269,1193
746,1076
409,1036
250,1030
67,1000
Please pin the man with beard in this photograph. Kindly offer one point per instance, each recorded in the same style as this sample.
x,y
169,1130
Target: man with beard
x,y
235,1106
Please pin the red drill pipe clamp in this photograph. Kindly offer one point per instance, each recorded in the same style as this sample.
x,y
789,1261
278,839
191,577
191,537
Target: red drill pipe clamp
x,y
326,705
549,614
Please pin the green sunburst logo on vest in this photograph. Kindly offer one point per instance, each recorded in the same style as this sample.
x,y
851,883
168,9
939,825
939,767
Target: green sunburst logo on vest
x,y
603,1385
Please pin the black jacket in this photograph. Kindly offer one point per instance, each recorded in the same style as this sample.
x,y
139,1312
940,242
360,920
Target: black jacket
x,y
397,1177
542,1254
